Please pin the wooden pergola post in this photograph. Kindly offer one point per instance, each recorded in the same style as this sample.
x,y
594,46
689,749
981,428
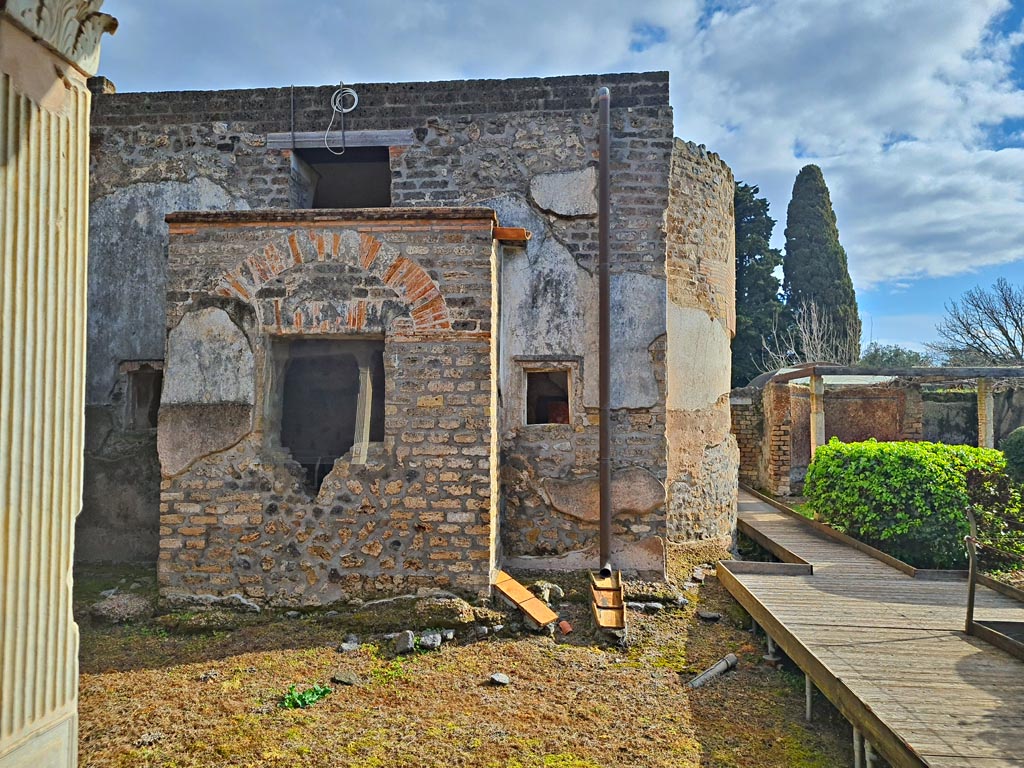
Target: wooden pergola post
x,y
817,413
986,415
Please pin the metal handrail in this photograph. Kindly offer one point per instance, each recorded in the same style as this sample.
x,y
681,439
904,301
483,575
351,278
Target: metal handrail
x,y
971,541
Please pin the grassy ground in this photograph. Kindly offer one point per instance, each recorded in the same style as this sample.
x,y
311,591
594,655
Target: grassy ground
x,y
153,696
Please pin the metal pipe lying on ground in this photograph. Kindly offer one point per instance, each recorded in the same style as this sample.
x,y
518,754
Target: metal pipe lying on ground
x,y
729,662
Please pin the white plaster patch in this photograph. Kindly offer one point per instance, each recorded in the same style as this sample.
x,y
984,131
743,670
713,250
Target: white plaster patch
x,y
637,319
698,359
549,306
567,193
208,361
645,557
128,271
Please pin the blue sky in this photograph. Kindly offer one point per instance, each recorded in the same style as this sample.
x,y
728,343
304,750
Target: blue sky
x,y
914,109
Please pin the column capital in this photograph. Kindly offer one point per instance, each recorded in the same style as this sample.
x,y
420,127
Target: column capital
x,y
69,28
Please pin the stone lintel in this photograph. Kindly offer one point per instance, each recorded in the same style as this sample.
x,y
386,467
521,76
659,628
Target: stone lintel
x,y
331,216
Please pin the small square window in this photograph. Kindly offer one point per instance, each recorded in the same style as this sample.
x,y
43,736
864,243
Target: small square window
x,y
358,178
547,397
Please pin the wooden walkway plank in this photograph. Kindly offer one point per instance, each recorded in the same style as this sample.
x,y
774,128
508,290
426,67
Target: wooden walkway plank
x,y
888,649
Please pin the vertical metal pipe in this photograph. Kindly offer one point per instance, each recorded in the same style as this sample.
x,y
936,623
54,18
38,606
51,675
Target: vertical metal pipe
x,y
604,330
972,569
808,696
858,749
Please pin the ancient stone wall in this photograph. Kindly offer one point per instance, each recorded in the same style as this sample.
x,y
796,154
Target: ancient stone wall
x,y
238,519
776,457
747,425
701,320
952,417
852,413
525,148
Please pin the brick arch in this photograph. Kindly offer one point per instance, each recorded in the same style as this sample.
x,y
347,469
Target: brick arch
x,y
406,277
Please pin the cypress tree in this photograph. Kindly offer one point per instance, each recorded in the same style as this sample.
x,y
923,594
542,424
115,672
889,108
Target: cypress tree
x,y
758,304
815,268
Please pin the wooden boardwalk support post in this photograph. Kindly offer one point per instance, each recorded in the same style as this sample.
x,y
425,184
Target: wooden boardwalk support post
x,y
808,694
869,754
858,748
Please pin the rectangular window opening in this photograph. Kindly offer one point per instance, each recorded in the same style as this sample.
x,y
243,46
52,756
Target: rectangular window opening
x,y
358,178
547,397
331,402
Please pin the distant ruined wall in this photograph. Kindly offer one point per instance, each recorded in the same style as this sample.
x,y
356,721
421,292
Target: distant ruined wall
x,y
952,416
776,450
747,424
703,457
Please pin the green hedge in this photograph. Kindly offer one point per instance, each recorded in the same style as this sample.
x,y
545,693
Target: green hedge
x,y
1013,448
907,499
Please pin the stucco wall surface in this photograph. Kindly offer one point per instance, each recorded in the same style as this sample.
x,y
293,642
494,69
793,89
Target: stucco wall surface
x,y
703,458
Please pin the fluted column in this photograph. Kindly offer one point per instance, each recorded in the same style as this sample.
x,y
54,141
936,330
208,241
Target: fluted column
x,y
47,49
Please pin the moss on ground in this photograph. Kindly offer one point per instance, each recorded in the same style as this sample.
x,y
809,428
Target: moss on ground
x,y
156,694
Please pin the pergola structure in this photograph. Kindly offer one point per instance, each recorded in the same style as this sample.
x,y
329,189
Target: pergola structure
x,y
816,373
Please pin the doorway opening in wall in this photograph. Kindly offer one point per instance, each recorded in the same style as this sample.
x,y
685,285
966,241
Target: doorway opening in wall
x,y
330,402
547,397
359,178
144,382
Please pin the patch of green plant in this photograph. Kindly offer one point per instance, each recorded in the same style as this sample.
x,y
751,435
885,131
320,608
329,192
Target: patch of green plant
x,y
910,498
391,672
800,750
149,630
804,509
296,699
568,760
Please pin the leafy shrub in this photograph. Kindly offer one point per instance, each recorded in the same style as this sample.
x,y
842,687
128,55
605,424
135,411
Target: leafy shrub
x,y
999,514
1013,448
295,699
908,499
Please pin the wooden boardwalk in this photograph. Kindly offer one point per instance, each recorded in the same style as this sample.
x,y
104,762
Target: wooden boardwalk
x,y
886,648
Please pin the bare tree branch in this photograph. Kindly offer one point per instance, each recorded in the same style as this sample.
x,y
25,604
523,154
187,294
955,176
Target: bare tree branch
x,y
812,338
986,326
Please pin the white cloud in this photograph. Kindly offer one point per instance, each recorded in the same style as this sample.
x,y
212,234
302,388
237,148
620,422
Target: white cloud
x,y
895,100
